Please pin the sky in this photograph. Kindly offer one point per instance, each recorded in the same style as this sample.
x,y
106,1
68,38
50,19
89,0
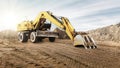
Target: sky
x,y
83,14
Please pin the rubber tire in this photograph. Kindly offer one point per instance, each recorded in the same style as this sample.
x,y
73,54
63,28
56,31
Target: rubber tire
x,y
22,37
39,39
33,37
51,39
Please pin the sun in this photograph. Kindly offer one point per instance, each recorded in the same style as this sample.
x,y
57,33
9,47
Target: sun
x,y
9,19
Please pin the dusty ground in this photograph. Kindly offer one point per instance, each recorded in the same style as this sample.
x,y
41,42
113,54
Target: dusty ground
x,y
60,54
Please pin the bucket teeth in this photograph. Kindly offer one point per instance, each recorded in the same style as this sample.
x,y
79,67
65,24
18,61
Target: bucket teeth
x,y
95,46
90,47
84,40
85,47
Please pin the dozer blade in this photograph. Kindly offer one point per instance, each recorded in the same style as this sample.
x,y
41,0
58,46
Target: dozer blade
x,y
84,41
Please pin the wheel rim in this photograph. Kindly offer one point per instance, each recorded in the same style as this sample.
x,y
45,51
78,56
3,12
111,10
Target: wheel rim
x,y
32,37
20,37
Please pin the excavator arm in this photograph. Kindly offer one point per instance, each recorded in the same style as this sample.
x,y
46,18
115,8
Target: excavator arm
x,y
62,22
46,15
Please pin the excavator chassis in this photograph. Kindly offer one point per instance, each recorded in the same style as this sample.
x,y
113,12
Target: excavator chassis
x,y
36,36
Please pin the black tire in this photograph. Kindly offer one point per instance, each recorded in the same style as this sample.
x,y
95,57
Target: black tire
x,y
33,37
39,39
51,39
22,37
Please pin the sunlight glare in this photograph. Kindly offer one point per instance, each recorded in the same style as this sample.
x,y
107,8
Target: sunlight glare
x,y
9,19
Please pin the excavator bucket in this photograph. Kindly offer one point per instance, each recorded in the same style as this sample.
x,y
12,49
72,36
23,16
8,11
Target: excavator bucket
x,y
84,40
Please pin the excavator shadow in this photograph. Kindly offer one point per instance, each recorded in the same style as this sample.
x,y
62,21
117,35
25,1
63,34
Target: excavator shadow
x,y
86,47
80,46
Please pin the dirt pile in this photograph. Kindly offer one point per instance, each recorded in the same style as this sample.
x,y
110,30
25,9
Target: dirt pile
x,y
109,33
62,34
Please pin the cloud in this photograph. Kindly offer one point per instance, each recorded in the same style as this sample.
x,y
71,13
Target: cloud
x,y
94,8
83,14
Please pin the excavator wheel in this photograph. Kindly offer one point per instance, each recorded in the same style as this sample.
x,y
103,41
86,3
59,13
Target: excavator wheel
x,y
33,37
51,39
39,39
22,37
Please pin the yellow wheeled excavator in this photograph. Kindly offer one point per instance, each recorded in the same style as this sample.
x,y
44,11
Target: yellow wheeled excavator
x,y
39,29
